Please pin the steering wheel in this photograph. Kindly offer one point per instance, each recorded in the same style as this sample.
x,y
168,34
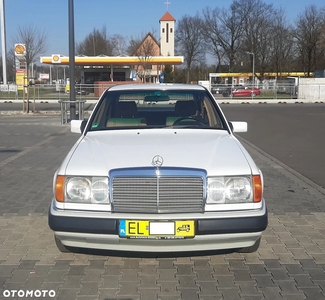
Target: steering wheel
x,y
197,122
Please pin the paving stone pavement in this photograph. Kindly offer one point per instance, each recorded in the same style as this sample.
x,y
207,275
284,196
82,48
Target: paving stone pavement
x,y
290,263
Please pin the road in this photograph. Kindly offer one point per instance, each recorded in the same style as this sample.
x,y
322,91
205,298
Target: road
x,y
292,133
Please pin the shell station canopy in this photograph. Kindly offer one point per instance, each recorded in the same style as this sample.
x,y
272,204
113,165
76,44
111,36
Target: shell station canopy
x,y
57,59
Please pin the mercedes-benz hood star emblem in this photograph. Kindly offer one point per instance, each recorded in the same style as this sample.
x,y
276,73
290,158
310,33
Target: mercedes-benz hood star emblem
x,y
157,161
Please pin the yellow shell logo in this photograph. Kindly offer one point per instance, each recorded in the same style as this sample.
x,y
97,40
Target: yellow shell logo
x,y
56,58
20,49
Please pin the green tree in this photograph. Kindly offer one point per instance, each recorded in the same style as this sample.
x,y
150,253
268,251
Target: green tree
x,y
169,74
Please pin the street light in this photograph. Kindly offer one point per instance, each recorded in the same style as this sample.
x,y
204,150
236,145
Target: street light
x,y
253,77
72,75
3,42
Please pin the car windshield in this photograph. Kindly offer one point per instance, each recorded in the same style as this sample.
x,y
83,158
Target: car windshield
x,y
126,109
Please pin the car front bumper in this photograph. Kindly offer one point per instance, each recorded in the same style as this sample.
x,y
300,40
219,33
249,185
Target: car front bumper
x,y
214,231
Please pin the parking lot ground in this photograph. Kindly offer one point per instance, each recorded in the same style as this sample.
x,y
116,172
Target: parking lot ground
x,y
290,263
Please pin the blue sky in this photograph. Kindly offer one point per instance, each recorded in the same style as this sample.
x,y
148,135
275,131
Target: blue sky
x,y
129,18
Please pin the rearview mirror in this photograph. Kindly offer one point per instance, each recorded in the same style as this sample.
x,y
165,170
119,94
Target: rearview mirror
x,y
156,98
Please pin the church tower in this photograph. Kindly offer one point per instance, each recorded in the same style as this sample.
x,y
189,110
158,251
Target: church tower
x,y
167,34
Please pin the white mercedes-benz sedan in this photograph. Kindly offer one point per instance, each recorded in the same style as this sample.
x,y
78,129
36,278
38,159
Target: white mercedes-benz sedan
x,y
157,168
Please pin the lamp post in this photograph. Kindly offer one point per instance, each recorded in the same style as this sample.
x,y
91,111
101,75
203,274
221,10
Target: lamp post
x,y
3,42
51,74
253,76
72,62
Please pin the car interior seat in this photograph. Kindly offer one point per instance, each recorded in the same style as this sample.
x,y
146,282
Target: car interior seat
x,y
126,114
183,108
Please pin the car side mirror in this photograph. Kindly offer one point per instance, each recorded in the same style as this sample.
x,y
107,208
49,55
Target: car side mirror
x,y
78,126
237,126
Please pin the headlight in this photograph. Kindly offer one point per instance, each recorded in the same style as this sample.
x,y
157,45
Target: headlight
x,y
78,189
216,190
239,189
83,190
99,191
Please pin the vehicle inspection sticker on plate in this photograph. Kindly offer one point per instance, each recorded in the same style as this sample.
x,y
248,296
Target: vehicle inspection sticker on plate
x,y
156,229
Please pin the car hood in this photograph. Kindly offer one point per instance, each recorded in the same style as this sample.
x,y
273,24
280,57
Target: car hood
x,y
216,151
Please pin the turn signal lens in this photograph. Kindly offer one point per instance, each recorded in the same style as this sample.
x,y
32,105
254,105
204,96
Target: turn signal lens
x,y
59,188
258,188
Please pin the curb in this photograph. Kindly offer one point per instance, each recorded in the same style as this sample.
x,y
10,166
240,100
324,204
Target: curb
x,y
271,101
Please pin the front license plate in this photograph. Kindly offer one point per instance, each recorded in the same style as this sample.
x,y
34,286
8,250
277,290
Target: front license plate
x,y
156,229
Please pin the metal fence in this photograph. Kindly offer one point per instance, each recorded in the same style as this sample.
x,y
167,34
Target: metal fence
x,y
271,90
268,90
46,92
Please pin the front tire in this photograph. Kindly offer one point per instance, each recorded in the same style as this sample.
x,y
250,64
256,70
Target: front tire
x,y
251,249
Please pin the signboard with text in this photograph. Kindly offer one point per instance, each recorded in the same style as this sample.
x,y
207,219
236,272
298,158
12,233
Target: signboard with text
x,y
21,79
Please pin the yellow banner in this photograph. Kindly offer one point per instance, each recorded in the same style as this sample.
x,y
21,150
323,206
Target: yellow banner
x,y
21,79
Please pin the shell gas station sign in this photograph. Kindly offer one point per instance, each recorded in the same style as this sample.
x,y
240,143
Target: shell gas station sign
x,y
20,61
56,59
20,50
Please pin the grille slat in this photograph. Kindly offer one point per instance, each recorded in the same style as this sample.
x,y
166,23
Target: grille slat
x,y
158,194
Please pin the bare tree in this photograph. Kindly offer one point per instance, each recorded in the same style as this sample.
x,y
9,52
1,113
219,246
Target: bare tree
x,y
258,31
223,29
35,41
309,34
281,44
190,41
119,45
134,44
95,43
234,34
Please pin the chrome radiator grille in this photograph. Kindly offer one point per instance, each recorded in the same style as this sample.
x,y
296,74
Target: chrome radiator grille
x,y
170,194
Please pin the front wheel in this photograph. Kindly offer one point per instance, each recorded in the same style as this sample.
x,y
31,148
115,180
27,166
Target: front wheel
x,y
253,94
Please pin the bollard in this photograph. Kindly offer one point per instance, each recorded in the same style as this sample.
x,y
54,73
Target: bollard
x,y
65,112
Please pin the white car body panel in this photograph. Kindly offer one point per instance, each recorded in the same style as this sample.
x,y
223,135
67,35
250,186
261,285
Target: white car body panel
x,y
213,150
199,243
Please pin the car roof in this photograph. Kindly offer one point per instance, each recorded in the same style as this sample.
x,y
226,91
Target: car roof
x,y
160,86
